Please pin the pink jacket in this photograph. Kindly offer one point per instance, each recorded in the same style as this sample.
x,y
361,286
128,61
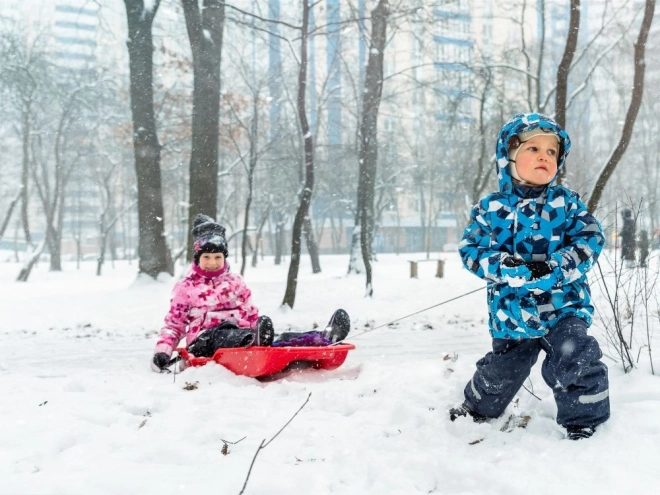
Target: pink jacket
x,y
203,300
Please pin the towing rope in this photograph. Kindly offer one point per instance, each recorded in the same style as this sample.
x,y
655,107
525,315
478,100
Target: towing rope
x,y
411,314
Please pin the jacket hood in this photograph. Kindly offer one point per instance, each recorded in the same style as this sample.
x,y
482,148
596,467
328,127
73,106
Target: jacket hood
x,y
517,124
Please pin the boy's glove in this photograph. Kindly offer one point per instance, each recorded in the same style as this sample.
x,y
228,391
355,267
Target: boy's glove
x,y
514,271
512,262
519,272
539,269
160,361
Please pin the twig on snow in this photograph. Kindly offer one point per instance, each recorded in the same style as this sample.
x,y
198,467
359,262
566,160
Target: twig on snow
x,y
265,444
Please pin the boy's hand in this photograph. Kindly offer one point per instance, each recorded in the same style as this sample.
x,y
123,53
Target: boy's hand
x,y
160,361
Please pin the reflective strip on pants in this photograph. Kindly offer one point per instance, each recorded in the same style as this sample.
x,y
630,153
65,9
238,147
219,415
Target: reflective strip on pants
x,y
590,399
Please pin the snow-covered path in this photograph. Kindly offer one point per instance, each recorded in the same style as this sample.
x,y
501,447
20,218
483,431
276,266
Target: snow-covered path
x,y
76,388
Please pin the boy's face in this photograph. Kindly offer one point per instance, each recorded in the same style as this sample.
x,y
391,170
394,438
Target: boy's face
x,y
536,161
212,262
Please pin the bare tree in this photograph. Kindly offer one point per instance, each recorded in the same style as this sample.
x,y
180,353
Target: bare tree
x,y
635,102
565,64
154,255
51,177
259,235
10,210
563,70
483,171
368,150
308,185
23,75
205,31
106,179
252,133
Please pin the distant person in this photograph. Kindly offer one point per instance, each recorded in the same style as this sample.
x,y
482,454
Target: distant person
x,y
533,243
212,307
628,238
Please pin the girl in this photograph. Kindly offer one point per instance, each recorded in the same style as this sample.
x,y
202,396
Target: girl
x,y
213,308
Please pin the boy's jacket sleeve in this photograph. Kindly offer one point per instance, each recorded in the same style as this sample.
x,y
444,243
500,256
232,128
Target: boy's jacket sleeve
x,y
480,251
583,243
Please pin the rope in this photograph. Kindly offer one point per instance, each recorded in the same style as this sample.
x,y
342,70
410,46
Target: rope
x,y
426,309
412,314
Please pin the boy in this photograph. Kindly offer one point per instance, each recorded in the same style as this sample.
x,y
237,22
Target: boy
x,y
534,243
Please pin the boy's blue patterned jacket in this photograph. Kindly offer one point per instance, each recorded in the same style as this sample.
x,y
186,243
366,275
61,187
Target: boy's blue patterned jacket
x,y
547,223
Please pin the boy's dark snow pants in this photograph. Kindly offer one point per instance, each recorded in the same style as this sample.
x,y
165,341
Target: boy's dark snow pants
x,y
572,368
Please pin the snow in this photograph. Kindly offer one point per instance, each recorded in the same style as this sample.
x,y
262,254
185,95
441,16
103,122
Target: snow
x,y
82,412
149,6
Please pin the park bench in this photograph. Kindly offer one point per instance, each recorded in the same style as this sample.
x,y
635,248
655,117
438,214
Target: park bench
x,y
440,270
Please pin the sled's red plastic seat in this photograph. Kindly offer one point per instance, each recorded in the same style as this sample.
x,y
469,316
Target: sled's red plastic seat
x,y
264,361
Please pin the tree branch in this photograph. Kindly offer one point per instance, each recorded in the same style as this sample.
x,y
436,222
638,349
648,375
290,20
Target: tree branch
x,y
265,444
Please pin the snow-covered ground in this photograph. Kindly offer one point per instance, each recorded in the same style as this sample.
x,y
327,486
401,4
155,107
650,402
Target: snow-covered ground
x,y
81,412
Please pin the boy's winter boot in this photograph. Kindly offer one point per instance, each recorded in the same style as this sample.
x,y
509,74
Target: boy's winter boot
x,y
464,410
579,432
338,327
265,332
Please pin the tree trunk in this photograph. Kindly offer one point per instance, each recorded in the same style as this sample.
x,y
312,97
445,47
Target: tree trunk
x,y
635,102
10,210
55,249
30,262
205,31
49,201
25,175
260,230
16,229
308,187
540,57
105,228
368,153
484,162
250,178
78,240
355,261
55,207
103,241
563,69
565,64
312,247
60,219
153,253
279,237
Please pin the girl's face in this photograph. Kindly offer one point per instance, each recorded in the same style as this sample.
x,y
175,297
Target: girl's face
x,y
212,262
536,161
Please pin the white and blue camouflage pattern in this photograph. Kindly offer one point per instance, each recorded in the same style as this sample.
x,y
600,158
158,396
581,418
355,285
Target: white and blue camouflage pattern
x,y
546,223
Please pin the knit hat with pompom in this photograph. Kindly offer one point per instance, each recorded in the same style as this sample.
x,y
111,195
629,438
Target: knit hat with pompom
x,y
208,237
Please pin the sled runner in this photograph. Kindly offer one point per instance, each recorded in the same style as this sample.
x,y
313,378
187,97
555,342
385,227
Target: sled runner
x,y
272,362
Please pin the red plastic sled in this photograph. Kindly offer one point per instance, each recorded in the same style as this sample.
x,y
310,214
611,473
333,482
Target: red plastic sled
x,y
260,362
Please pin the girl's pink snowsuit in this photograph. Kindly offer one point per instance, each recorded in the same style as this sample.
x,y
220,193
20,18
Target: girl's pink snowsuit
x,y
203,300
